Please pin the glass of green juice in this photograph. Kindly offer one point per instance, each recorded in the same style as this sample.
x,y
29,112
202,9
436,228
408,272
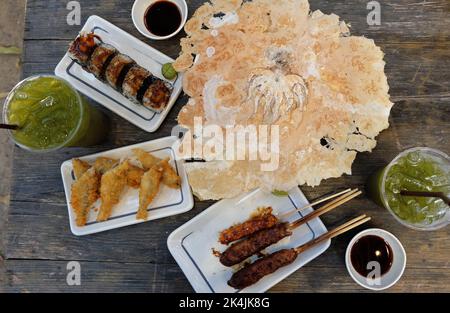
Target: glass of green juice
x,y
417,169
51,114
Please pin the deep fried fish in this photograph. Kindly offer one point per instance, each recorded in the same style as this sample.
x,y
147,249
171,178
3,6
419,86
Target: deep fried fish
x,y
80,167
149,189
84,194
170,177
134,176
103,165
147,160
112,186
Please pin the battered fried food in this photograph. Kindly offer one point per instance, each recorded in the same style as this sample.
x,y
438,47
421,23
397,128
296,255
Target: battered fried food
x,y
84,194
80,167
147,160
170,178
150,184
113,184
134,176
103,165
108,179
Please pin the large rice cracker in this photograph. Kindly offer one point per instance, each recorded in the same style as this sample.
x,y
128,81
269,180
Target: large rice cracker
x,y
246,50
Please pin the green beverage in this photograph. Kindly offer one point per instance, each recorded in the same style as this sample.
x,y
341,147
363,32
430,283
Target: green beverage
x,y
418,169
51,114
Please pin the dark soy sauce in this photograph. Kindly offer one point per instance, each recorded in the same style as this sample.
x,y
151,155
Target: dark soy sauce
x,y
368,249
162,18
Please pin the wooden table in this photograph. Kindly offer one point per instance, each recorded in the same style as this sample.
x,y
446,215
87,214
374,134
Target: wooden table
x,y
415,35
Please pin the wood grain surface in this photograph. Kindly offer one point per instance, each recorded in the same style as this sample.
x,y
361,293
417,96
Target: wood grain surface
x,y
415,36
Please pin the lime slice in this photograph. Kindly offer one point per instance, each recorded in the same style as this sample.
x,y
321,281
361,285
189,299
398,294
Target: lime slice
x,y
280,193
169,72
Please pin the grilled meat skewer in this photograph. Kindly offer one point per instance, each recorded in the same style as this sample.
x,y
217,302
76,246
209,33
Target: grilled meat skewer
x,y
242,250
269,264
267,220
255,224
253,273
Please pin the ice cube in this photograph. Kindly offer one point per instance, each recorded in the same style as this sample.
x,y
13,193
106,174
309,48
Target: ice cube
x,y
47,101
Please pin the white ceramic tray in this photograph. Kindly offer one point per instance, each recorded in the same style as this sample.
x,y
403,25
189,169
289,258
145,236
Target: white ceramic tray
x,y
146,56
192,244
168,202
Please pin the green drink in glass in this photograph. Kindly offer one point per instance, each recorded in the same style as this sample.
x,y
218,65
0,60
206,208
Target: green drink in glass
x,y
51,114
417,170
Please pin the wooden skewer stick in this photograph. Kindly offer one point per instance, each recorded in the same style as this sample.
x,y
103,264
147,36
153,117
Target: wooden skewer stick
x,y
8,126
326,208
334,233
287,214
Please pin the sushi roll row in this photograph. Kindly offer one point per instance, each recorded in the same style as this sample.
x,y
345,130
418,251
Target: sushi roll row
x,y
121,72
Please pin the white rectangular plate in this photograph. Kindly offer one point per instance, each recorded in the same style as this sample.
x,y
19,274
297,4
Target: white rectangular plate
x,y
192,244
146,56
168,202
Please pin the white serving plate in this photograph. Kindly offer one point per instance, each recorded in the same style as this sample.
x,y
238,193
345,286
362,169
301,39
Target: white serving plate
x,y
191,245
146,56
168,202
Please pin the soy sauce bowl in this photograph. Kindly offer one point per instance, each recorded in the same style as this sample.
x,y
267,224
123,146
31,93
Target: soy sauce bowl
x,y
138,15
391,277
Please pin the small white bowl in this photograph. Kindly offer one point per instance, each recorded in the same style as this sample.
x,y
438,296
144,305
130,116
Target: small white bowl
x,y
390,278
141,6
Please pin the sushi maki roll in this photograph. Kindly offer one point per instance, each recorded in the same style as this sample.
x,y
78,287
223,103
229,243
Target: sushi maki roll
x,y
118,69
120,72
134,81
82,48
100,60
157,96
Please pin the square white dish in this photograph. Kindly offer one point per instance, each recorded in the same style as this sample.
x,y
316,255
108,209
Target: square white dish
x,y
192,244
168,202
146,56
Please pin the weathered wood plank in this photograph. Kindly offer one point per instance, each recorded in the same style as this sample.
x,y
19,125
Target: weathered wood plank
x,y
41,231
413,123
401,20
96,277
99,277
335,280
39,235
413,69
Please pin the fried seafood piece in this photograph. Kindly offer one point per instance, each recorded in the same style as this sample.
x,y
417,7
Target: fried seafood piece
x,y
84,194
80,167
259,222
170,178
103,165
147,159
150,184
134,176
112,186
